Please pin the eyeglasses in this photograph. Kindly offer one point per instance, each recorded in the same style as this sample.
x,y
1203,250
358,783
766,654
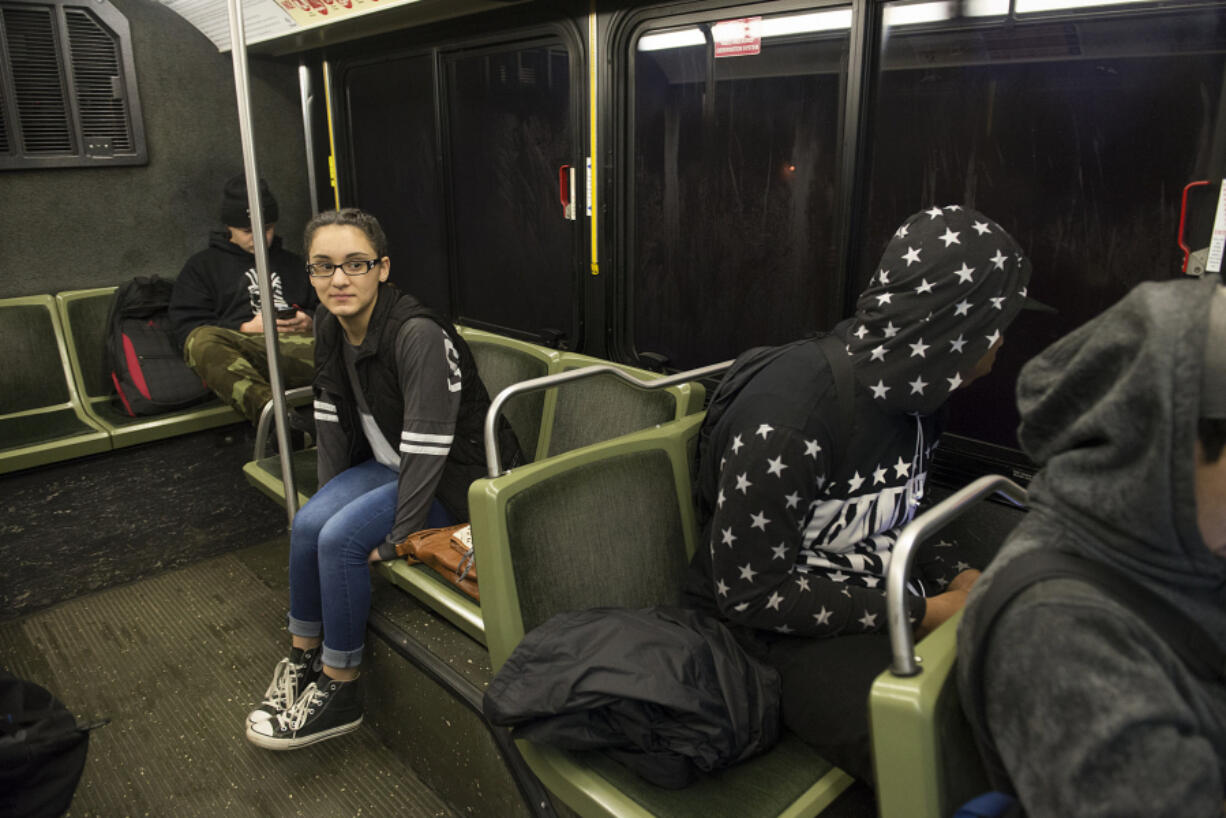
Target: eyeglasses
x,y
351,268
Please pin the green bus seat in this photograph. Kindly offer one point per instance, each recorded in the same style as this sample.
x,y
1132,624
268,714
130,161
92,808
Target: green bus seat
x,y
605,407
84,314
503,361
612,524
42,419
924,753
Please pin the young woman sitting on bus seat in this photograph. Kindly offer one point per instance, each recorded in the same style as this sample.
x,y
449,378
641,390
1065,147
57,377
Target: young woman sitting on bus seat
x,y
399,410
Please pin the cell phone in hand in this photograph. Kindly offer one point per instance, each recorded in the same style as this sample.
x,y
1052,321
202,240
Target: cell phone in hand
x,y
287,312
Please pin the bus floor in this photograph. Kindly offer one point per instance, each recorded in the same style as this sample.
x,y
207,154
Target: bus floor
x,y
175,661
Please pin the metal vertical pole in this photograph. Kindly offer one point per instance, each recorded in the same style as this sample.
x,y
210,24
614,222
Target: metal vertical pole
x,y
242,90
308,106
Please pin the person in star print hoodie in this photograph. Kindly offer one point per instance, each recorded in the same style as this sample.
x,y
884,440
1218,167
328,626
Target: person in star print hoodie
x,y
800,513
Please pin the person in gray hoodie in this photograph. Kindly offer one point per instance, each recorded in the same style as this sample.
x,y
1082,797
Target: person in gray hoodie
x,y
1090,709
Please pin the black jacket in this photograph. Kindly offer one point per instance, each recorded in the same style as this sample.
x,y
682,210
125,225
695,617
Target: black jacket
x,y
218,286
665,691
384,394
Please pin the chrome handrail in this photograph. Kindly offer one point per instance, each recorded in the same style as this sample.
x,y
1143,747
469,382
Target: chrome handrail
x,y
292,398
902,642
493,460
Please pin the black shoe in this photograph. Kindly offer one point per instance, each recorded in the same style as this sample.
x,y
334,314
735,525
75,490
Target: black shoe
x,y
291,677
326,709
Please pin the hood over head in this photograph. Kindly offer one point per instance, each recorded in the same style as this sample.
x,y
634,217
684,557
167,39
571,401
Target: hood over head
x,y
1110,412
949,283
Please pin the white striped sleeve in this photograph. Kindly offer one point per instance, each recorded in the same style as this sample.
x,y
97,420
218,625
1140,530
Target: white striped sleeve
x,y
326,411
418,443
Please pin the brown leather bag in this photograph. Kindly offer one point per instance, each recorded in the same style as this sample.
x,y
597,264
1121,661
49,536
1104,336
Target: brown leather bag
x,y
448,550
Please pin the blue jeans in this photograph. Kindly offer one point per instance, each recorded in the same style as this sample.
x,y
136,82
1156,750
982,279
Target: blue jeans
x,y
329,577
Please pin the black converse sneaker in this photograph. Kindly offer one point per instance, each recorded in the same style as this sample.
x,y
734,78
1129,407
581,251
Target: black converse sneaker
x,y
326,709
291,677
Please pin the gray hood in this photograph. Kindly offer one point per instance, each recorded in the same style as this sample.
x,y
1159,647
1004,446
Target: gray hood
x,y
1109,413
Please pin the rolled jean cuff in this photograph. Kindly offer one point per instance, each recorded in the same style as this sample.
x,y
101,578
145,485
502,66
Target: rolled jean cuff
x,y
342,658
300,627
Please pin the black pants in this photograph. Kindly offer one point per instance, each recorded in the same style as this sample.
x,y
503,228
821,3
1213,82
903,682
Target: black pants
x,y
826,682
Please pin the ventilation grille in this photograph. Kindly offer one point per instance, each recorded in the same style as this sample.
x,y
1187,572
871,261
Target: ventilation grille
x,y
4,130
37,80
95,70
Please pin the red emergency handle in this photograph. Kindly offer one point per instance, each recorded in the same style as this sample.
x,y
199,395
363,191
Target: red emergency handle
x,y
1183,220
564,185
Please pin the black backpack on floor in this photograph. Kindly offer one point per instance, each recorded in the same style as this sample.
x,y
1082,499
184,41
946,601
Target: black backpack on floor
x,y
142,359
42,750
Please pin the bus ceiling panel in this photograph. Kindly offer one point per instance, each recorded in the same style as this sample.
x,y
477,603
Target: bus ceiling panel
x,y
280,27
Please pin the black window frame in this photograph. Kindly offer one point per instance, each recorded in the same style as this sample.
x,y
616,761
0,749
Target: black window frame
x,y
86,150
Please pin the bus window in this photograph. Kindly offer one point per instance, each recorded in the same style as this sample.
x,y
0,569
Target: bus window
x,y
1076,132
509,133
394,170
730,207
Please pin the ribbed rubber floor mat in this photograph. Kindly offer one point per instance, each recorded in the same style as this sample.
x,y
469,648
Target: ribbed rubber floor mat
x,y
175,662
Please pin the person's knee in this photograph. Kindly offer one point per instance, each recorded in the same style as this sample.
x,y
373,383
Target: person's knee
x,y
204,341
337,545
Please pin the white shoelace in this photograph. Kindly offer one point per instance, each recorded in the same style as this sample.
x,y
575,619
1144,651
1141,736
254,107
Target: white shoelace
x,y
293,718
282,690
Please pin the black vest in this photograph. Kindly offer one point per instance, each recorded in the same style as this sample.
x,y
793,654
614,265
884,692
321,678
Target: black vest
x,y
376,369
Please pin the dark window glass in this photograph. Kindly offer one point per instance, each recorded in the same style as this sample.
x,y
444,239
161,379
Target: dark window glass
x,y
732,199
1077,134
509,132
395,169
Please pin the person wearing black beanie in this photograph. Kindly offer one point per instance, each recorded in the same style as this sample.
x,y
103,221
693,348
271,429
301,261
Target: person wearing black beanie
x,y
215,307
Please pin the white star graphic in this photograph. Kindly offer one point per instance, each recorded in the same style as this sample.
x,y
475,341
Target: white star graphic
x,y
736,444
981,228
918,348
871,582
722,587
998,302
917,385
860,333
957,344
793,499
764,430
812,448
741,607
993,338
880,389
963,307
719,500
775,466
747,573
999,260
884,298
961,566
954,382
883,276
728,536
802,582
966,274
821,481
901,232
783,629
902,469
759,521
823,616
838,576
911,256
950,237
780,551
889,330
936,211
854,483
868,620
774,600
924,287
1022,292
878,353
742,483
878,475
953,207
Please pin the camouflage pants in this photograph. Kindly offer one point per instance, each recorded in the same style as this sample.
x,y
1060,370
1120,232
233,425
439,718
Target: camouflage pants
x,y
235,365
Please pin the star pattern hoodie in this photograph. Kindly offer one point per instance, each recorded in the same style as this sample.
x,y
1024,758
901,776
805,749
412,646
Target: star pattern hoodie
x,y
1092,713
802,518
